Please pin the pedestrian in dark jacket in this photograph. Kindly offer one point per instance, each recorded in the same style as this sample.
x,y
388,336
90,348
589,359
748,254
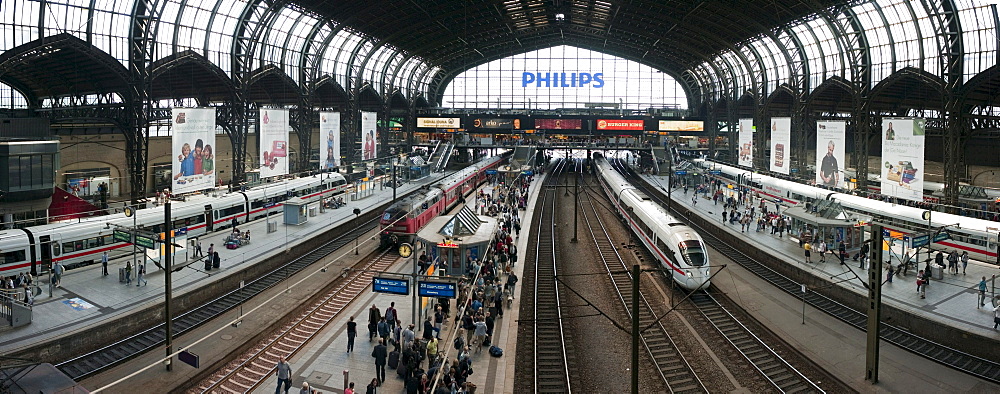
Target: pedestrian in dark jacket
x,y
381,355
428,329
374,316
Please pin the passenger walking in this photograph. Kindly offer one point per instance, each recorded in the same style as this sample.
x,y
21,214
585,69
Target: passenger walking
x,y
438,322
383,330
372,387
128,273
863,255
408,336
57,272
390,314
284,372
889,274
821,251
807,247
374,315
921,283
381,356
352,332
965,260
982,294
480,334
996,316
349,389
140,271
953,262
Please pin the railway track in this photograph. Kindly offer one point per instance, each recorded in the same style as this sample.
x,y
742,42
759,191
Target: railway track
x,y
673,367
976,366
126,349
246,374
550,367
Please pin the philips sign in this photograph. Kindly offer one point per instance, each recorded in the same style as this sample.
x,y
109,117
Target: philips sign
x,y
562,80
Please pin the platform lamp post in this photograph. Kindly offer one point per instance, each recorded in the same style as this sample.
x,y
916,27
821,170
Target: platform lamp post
x,y
168,244
357,213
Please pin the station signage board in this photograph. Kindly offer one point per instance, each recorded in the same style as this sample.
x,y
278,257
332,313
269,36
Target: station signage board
x,y
437,289
122,236
621,124
439,123
390,286
146,242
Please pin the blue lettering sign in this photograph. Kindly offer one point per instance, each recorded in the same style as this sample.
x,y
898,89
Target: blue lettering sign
x,y
436,289
390,286
562,80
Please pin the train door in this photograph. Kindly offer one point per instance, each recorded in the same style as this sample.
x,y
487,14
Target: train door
x,y
49,248
209,219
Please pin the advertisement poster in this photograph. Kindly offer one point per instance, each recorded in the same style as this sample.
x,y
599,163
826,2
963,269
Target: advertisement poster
x,y
745,149
558,124
781,144
830,140
369,149
194,144
329,146
273,142
903,158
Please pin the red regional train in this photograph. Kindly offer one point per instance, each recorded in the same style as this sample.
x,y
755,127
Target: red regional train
x,y
401,221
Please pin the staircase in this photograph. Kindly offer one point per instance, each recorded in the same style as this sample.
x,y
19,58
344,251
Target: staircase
x,y
441,156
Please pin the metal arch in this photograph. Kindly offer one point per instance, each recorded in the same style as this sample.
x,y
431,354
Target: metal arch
x,y
398,68
177,22
252,20
288,38
822,58
800,83
208,32
851,36
888,31
311,54
354,82
307,70
414,81
951,48
395,56
138,102
90,20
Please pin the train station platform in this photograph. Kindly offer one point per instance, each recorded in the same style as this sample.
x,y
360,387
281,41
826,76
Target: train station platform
x,y
325,360
87,298
949,302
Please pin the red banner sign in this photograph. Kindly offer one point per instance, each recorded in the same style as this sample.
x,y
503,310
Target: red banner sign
x,y
620,124
559,124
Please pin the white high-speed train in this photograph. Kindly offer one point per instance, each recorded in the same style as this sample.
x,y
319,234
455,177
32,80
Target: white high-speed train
x,y
977,236
80,243
675,245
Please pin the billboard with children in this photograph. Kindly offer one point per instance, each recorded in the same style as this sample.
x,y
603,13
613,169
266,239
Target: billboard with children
x,y
745,149
273,142
193,140
369,136
329,145
903,158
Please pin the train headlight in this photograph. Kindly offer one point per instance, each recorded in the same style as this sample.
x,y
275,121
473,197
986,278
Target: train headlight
x,y
689,274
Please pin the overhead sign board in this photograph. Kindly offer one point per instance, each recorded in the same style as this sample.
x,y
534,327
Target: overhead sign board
x,y
680,172
921,240
437,289
715,172
681,125
621,124
390,286
122,236
439,123
144,241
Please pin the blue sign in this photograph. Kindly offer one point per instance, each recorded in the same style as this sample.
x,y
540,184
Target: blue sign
x,y
562,80
181,231
529,172
794,170
680,172
921,240
942,236
437,289
491,172
715,172
390,286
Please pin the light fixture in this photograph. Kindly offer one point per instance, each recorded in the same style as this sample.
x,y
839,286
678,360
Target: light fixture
x,y
560,17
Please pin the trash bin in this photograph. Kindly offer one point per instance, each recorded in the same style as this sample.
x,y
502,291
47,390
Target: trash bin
x,y
121,275
937,272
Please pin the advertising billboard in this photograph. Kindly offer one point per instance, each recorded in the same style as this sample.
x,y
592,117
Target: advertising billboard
x,y
369,137
558,124
621,124
496,123
903,158
781,144
273,142
830,140
193,142
745,149
329,147
681,125
439,123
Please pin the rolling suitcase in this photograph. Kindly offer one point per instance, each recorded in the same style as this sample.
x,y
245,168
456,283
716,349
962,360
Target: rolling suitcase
x,y
215,261
393,359
208,263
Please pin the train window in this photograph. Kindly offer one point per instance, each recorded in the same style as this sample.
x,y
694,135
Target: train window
x,y
56,250
12,257
107,240
68,247
93,242
662,246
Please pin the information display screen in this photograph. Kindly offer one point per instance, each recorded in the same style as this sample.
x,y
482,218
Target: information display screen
x,y
437,289
390,286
